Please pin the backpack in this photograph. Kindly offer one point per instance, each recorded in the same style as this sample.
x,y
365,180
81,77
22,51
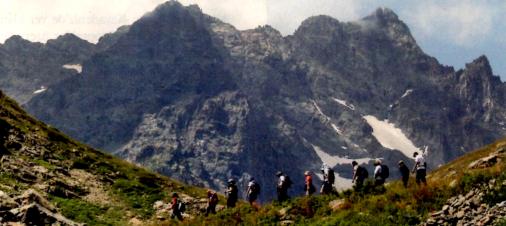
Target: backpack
x,y
288,182
362,172
214,198
255,188
181,207
385,172
331,177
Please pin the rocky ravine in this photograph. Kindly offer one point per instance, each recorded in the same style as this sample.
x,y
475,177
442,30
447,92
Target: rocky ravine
x,y
194,98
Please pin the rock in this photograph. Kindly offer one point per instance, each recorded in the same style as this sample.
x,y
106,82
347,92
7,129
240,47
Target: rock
x,y
484,162
453,183
158,205
461,214
6,202
287,222
35,214
283,212
501,150
446,208
337,204
135,222
32,196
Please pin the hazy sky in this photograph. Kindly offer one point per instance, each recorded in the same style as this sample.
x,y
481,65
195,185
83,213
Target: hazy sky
x,y
454,31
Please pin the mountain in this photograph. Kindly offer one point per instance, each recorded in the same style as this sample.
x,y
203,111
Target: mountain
x,y
46,178
27,69
192,97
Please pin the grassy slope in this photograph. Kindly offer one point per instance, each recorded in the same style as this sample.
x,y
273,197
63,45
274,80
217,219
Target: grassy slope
x,y
130,191
395,206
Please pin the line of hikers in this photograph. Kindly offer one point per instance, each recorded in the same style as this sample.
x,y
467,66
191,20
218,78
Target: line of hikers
x,y
360,174
382,172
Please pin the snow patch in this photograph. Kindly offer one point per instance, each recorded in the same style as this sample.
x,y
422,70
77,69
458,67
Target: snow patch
x,y
42,89
344,147
341,183
328,119
338,131
344,103
391,137
333,161
76,67
409,91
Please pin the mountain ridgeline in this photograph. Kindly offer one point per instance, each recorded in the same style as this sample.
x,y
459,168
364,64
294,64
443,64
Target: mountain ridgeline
x,y
190,96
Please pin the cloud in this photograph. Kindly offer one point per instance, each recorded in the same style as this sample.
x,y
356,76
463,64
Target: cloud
x,y
462,22
243,14
287,15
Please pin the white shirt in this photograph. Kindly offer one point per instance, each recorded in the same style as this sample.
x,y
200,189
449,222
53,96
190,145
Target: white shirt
x,y
282,179
420,161
377,170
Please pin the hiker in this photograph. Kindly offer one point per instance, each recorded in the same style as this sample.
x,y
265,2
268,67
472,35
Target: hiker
x,y
284,183
419,168
177,207
359,175
404,170
232,193
328,179
381,173
253,192
308,183
212,201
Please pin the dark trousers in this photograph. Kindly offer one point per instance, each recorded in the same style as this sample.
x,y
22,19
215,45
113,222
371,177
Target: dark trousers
x,y
211,208
420,176
176,214
359,183
282,194
379,181
231,202
405,180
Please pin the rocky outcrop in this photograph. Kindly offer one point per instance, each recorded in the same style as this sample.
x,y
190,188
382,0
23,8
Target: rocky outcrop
x,y
30,208
471,208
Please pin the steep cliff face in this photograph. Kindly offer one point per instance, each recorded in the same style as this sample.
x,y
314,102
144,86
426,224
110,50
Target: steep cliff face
x,y
193,97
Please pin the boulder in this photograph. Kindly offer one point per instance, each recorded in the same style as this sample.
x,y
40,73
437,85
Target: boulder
x,y
337,204
484,162
6,202
32,196
35,214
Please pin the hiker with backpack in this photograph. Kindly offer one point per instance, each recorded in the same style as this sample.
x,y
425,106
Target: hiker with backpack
x,y
381,173
212,201
328,179
404,170
177,207
359,175
309,188
283,184
252,193
420,168
232,193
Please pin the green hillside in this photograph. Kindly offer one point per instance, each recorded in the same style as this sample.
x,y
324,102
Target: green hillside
x,y
80,183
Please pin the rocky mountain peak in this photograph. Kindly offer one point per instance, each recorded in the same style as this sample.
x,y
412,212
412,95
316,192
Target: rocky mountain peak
x,y
384,14
318,24
65,39
479,67
17,42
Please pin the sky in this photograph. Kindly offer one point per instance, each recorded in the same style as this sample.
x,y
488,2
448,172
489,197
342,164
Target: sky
x,y
453,31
